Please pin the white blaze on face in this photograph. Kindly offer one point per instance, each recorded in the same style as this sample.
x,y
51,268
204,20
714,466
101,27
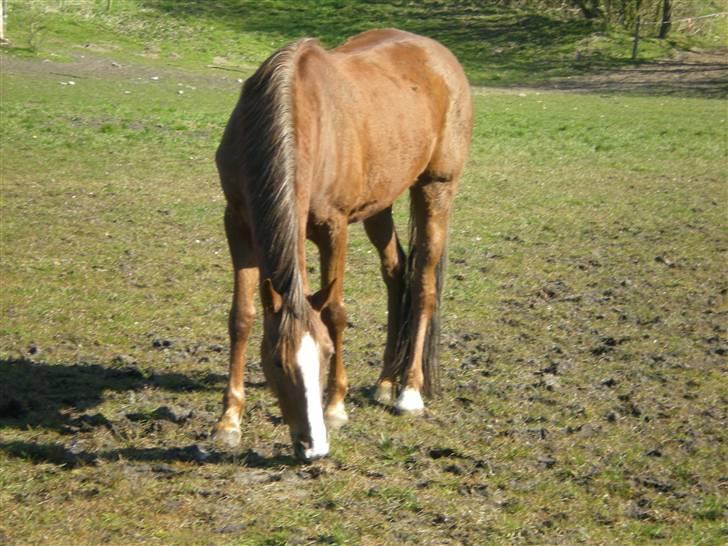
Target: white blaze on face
x,y
307,359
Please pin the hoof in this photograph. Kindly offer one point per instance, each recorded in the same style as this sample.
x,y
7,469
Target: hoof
x,y
410,403
383,394
227,437
336,417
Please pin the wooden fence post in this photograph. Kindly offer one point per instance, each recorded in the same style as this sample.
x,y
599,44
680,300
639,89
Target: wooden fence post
x,y
636,41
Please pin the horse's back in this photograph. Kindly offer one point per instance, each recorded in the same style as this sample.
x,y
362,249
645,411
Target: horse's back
x,y
402,46
366,41
396,54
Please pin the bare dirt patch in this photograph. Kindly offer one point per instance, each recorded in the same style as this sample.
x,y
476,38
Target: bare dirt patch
x,y
688,73
91,66
695,73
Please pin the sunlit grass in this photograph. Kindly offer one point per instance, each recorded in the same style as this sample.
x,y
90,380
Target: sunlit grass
x,y
497,44
584,329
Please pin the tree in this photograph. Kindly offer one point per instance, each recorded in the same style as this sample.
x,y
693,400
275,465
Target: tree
x,y
3,11
666,18
589,8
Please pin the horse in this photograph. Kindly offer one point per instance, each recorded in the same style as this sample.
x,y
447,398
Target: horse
x,y
320,139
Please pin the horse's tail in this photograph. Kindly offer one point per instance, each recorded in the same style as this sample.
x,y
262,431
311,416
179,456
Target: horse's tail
x,y
431,349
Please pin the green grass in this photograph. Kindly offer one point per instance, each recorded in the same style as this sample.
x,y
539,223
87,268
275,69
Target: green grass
x,y
584,322
497,44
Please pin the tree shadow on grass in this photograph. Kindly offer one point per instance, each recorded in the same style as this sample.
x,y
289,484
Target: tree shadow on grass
x,y
497,45
70,457
42,395
665,78
484,37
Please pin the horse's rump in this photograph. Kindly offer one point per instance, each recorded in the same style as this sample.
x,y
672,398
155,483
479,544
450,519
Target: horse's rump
x,y
373,115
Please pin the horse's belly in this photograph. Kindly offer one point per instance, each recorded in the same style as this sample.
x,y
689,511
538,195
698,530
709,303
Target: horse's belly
x,y
397,168
385,174
370,208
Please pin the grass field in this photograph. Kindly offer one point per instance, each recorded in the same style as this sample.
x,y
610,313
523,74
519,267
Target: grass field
x,y
584,343
497,43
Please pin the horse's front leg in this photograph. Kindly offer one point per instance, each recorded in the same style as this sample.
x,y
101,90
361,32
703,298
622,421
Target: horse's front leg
x,y
242,315
331,241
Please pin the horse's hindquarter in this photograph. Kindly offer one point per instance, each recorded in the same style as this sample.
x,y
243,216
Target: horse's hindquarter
x,y
381,104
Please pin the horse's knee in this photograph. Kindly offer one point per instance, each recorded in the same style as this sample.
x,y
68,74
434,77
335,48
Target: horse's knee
x,y
334,316
241,321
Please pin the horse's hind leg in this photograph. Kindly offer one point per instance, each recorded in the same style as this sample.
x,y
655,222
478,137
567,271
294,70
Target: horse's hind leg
x,y
431,202
242,315
381,232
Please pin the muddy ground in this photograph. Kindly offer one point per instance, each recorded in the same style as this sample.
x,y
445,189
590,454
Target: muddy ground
x,y
588,405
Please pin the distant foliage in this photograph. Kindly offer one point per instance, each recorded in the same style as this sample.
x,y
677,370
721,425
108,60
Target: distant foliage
x,y
612,13
623,13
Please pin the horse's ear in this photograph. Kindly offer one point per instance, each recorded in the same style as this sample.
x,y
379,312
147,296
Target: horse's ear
x,y
319,300
272,300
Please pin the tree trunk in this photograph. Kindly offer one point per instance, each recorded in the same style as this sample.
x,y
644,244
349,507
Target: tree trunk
x,y
589,8
636,41
2,20
666,18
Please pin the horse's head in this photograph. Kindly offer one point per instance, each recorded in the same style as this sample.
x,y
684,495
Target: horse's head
x,y
296,348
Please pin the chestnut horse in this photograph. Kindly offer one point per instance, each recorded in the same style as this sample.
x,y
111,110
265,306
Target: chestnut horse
x,y
320,139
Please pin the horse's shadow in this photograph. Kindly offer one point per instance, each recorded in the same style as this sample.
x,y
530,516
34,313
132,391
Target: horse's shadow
x,y
362,396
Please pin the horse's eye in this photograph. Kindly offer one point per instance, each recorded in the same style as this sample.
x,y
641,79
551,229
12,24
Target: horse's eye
x,y
278,363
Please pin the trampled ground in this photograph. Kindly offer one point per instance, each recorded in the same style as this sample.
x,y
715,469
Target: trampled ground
x,y
584,345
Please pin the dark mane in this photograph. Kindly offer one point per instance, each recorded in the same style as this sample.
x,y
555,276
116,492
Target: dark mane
x,y
269,163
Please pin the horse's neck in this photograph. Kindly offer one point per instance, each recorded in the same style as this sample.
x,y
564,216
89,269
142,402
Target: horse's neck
x,y
269,156
293,285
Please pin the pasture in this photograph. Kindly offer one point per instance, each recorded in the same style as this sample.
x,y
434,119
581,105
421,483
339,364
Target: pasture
x,y
584,322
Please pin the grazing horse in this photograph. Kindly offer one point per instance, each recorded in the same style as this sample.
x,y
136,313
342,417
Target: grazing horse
x,y
320,139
